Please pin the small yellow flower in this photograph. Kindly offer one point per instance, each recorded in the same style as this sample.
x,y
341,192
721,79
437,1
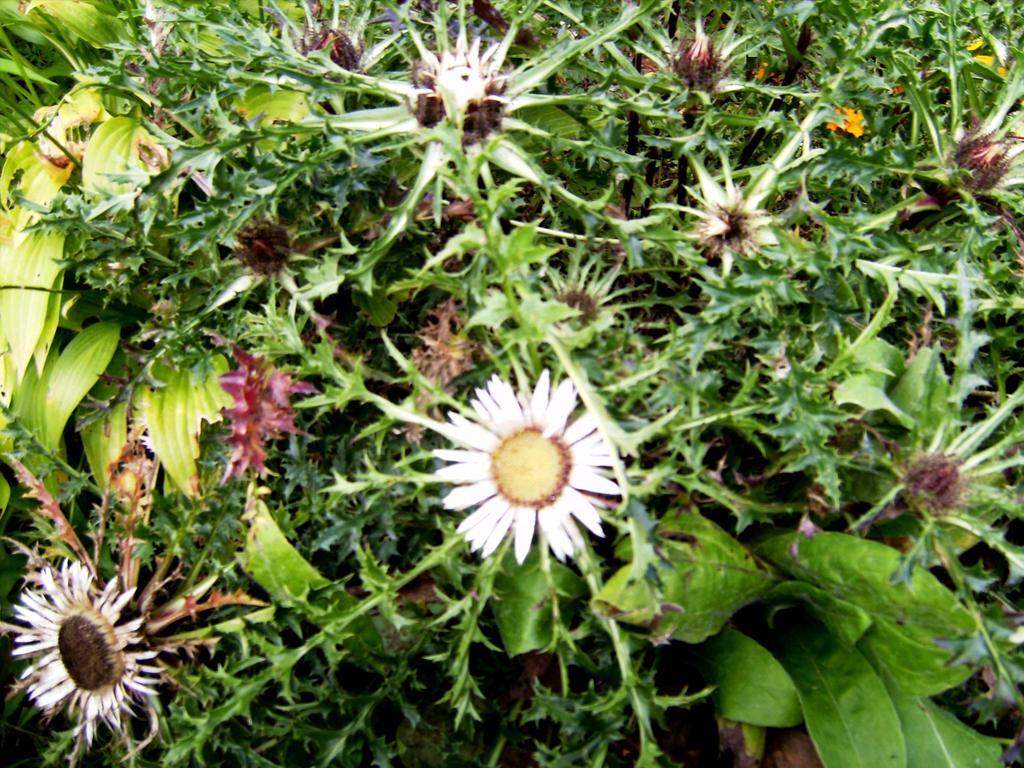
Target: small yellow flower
x,y
853,122
985,58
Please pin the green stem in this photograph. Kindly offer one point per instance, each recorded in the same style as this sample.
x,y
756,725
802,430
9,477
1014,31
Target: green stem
x,y
432,560
607,428
592,576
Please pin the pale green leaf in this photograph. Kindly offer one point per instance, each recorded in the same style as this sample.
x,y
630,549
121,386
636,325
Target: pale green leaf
x,y
704,574
848,712
121,147
93,21
936,739
29,271
523,603
104,440
174,413
750,685
71,377
274,563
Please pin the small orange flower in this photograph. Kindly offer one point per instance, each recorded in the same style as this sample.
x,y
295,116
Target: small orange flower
x,y
762,71
853,122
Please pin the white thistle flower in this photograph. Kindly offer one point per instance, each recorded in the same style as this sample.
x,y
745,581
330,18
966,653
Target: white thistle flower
x,y
82,658
730,223
465,82
526,467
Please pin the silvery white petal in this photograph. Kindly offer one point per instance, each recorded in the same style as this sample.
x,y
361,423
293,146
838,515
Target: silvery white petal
x,y
468,495
562,404
583,426
581,508
586,479
539,399
464,473
473,435
465,457
498,533
491,510
506,399
526,520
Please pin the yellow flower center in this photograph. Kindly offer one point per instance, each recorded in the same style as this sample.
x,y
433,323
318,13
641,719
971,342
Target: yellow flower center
x,y
88,648
530,469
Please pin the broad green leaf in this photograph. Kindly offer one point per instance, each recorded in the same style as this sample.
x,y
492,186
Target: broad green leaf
x,y
910,655
907,618
45,404
31,262
5,493
705,576
274,563
20,69
523,605
936,739
121,147
174,414
273,105
848,712
844,619
633,601
923,391
750,685
104,440
37,179
50,322
93,21
862,390
876,363
861,572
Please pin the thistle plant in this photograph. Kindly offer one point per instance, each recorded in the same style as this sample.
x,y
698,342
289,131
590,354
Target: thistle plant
x,y
511,383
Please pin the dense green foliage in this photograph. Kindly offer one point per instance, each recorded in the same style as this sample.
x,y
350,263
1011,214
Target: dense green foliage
x,y
781,264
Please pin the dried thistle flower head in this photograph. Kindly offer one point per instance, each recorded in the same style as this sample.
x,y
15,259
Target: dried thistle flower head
x,y
699,64
85,657
580,300
702,62
445,353
344,51
731,223
263,246
464,85
985,158
733,227
933,482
